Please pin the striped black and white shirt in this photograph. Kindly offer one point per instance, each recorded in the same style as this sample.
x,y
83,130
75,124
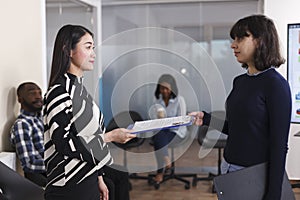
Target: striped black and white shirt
x,y
74,128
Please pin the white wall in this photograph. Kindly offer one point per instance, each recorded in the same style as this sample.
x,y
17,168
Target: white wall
x,y
284,13
22,55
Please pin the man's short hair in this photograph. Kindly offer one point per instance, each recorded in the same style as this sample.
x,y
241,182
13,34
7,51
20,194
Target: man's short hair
x,y
22,86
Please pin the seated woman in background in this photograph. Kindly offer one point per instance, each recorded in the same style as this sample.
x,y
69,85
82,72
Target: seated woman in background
x,y
168,104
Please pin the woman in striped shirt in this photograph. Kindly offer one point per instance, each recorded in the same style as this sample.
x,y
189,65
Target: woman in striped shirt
x,y
75,144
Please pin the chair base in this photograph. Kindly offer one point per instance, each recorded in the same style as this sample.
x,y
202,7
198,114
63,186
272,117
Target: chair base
x,y
172,175
136,177
296,185
210,177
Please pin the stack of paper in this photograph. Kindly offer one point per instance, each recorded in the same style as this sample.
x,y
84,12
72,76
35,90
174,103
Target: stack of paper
x,y
164,123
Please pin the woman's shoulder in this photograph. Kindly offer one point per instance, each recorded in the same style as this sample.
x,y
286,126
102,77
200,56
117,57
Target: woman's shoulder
x,y
275,77
180,99
275,82
64,83
240,77
57,89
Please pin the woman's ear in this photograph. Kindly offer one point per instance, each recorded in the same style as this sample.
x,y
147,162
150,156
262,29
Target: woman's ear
x,y
66,51
257,42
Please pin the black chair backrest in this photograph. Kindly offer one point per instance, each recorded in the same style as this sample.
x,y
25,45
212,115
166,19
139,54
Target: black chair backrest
x,y
123,120
15,187
202,132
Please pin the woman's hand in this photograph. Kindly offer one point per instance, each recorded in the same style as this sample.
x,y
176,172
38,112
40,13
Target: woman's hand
x,y
119,135
198,118
103,189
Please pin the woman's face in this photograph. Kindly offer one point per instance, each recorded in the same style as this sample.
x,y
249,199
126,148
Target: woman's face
x,y
83,56
165,90
244,49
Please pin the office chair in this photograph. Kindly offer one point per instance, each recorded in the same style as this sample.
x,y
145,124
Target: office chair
x,y
295,185
173,174
123,120
218,142
15,187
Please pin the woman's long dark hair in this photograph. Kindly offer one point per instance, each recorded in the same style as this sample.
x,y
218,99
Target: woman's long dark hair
x,y
166,78
267,53
66,40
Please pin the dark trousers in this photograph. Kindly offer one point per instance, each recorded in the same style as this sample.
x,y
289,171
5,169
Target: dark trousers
x,y
37,178
111,188
161,140
88,189
118,175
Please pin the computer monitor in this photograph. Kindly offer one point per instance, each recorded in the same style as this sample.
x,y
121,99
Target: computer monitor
x,y
293,66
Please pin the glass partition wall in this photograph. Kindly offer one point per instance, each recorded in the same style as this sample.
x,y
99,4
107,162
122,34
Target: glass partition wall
x,y
189,40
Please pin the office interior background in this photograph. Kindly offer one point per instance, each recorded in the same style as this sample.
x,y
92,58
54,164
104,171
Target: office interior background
x,y
29,27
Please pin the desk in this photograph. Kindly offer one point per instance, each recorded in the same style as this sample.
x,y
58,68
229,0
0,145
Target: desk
x,y
296,185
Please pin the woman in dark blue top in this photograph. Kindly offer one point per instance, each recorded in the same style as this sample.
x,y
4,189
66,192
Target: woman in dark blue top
x,y
258,109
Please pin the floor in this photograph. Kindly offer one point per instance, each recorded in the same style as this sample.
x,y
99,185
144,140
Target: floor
x,y
191,159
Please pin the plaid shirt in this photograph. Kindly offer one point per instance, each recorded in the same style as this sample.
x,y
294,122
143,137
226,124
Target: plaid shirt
x,y
27,138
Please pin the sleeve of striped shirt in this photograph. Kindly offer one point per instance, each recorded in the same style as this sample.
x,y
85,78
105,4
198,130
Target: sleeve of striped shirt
x,y
59,122
25,148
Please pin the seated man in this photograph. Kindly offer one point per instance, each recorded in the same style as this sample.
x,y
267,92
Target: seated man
x,y
27,133
27,138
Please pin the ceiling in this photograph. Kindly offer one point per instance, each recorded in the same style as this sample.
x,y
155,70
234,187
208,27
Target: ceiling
x,y
67,3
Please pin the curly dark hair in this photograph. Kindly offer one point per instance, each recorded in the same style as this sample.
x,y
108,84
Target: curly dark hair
x,y
263,30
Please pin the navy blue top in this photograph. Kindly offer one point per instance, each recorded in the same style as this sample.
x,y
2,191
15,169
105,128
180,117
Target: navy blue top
x,y
258,112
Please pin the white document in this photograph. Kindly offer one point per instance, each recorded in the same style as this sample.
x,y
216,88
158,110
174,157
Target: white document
x,y
163,123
